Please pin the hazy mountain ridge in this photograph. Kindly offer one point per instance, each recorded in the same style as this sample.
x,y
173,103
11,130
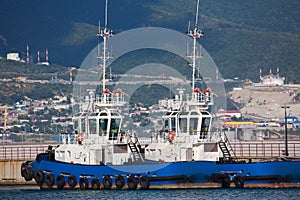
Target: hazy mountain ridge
x,y
240,36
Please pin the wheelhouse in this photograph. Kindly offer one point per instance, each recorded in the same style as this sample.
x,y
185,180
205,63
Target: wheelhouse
x,y
105,123
194,122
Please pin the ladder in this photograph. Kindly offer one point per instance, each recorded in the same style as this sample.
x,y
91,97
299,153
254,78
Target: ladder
x,y
226,148
137,156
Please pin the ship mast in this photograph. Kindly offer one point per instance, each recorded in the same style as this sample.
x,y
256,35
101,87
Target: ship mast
x,y
195,34
105,34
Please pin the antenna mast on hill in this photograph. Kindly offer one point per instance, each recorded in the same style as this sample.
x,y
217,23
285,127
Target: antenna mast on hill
x,y
105,34
195,34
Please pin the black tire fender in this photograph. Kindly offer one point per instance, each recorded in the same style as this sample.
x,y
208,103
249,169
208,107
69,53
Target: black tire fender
x,y
24,173
226,182
49,180
27,173
30,174
132,183
120,182
238,182
39,177
107,182
144,182
23,170
72,181
84,183
60,182
95,184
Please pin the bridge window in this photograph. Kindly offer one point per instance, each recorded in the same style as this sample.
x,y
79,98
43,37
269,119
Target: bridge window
x,y
103,127
173,124
204,127
193,126
92,126
83,126
166,125
76,125
183,124
114,128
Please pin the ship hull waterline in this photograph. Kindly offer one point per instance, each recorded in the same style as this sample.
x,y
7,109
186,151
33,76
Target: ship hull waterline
x,y
164,175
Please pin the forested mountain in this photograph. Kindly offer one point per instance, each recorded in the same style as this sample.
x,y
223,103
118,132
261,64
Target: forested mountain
x,y
241,36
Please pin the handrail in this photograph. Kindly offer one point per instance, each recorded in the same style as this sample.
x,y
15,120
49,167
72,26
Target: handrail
x,y
257,149
225,139
265,149
21,152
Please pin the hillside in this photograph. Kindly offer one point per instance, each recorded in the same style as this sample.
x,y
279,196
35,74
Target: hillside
x,y
240,37
21,81
266,102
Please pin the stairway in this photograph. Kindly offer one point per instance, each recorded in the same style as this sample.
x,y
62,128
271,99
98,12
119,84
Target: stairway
x,y
226,149
135,151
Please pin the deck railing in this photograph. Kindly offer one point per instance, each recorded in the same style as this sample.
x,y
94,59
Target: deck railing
x,y
242,150
21,152
265,149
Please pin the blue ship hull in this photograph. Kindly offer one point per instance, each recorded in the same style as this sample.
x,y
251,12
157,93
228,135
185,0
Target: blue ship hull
x,y
161,175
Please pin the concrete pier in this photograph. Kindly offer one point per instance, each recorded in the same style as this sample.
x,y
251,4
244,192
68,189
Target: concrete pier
x,y
11,159
10,173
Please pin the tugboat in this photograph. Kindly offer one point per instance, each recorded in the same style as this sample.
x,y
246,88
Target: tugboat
x,y
187,154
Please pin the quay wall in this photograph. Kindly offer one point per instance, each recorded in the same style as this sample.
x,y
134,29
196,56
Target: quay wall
x,y
11,159
10,173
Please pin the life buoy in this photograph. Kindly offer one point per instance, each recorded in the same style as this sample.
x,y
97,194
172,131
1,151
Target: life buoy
x,y
144,182
80,138
107,183
171,136
95,184
49,180
72,181
60,182
84,183
132,183
238,182
39,177
120,182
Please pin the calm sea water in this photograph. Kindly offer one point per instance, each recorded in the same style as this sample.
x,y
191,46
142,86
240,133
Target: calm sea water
x,y
33,193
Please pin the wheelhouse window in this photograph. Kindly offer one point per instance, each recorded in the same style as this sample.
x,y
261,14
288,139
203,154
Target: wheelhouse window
x,y
173,124
114,128
93,126
193,126
83,125
76,125
183,124
83,122
103,126
204,127
166,125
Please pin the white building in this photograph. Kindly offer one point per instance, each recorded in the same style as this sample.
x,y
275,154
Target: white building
x,y
271,79
13,56
228,114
